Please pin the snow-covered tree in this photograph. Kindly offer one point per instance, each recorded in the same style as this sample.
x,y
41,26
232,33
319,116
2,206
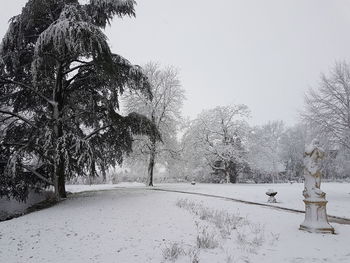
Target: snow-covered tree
x,y
217,139
264,149
327,114
327,109
59,95
164,111
292,148
336,163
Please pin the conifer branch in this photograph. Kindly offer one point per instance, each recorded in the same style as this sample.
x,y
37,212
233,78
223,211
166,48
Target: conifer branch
x,y
19,117
8,81
37,174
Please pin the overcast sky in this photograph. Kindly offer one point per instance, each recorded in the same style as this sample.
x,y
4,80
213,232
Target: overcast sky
x,y
262,53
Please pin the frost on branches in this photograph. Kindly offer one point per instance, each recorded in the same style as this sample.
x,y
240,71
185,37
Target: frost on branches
x,y
164,111
60,86
217,139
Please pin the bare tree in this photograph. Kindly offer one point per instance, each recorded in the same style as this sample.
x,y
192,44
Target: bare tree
x,y
327,109
164,111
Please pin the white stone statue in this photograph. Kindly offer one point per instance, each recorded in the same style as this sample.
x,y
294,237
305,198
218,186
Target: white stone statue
x,y
312,173
315,199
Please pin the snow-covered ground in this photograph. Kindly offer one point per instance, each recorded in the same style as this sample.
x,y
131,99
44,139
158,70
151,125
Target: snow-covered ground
x,y
76,188
133,224
13,207
289,195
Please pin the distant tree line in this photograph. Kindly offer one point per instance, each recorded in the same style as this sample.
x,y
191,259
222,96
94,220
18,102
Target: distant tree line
x,y
219,146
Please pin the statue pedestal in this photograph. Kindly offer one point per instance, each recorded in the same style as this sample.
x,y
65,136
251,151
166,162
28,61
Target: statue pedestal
x,y
316,217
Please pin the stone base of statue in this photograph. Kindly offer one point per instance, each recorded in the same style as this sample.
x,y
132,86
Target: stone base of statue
x,y
316,217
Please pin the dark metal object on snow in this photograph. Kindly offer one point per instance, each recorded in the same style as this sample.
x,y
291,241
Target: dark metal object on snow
x,y
271,193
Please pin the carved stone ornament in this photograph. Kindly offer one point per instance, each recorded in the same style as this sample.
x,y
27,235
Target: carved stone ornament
x,y
315,199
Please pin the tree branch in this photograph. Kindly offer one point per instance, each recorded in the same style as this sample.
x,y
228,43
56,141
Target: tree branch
x,y
37,174
77,67
8,81
96,131
19,117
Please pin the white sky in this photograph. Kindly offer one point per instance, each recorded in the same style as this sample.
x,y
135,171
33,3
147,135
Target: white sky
x,y
263,53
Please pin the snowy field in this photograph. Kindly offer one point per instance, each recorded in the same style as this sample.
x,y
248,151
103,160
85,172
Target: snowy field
x,y
76,188
129,223
289,195
12,207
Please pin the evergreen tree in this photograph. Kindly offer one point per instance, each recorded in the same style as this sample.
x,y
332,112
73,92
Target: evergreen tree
x,y
59,91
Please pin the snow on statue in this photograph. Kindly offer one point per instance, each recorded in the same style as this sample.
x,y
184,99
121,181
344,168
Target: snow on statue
x,y
313,156
315,202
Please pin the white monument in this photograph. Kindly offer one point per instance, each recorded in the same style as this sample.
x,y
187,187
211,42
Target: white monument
x,y
315,199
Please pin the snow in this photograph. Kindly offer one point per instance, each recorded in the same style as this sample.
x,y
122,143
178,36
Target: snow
x,y
76,188
109,226
13,207
288,196
130,223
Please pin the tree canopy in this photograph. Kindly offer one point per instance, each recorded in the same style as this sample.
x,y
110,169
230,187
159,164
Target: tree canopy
x,y
327,108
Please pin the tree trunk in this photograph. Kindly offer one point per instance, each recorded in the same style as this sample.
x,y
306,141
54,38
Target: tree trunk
x,y
59,175
233,178
61,180
152,155
55,185
227,177
231,173
151,167
104,175
227,173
